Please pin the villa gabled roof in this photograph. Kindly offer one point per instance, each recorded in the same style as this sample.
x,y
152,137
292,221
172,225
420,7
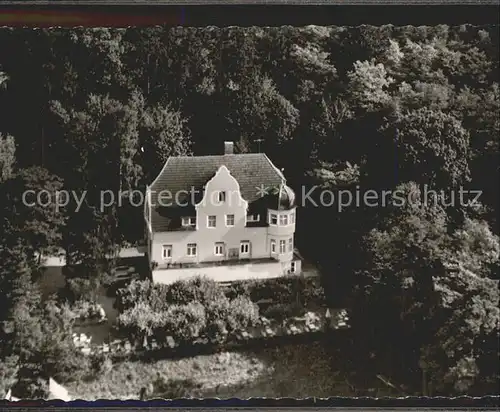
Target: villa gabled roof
x,y
187,173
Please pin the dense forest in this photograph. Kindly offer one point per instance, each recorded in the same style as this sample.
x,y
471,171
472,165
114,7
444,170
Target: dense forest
x,y
339,108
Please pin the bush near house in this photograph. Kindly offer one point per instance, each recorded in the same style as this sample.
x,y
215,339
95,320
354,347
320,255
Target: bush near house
x,y
283,290
83,310
159,296
202,308
283,311
182,312
80,288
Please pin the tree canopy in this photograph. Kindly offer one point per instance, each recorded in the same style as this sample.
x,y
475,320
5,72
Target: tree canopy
x,y
406,109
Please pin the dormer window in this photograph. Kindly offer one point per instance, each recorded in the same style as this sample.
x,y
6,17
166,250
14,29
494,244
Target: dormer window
x,y
253,218
221,197
188,221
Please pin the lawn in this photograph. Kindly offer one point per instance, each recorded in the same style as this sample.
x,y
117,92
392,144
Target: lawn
x,y
298,370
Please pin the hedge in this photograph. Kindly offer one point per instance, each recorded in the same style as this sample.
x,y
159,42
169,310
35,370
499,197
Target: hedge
x,y
200,308
281,312
286,290
160,296
182,312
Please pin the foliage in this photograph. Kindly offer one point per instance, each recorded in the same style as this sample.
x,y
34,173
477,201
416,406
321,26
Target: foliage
x,y
282,312
81,289
174,389
184,311
85,310
345,108
184,323
243,313
138,292
368,83
160,296
432,147
7,156
284,290
438,298
100,364
30,207
200,289
9,369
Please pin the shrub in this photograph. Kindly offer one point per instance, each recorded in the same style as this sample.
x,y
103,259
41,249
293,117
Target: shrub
x,y
286,289
82,289
184,323
139,322
218,308
159,296
31,386
183,311
217,315
9,368
199,289
216,331
242,288
175,389
136,291
312,293
127,298
84,310
243,313
281,312
101,363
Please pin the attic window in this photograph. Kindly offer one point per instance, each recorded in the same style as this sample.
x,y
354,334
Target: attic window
x,y
221,197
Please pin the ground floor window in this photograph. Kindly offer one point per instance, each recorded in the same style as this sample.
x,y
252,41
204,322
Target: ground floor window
x,y
219,249
245,248
167,251
191,249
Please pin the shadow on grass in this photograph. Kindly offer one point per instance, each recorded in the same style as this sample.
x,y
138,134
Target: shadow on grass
x,y
301,369
295,370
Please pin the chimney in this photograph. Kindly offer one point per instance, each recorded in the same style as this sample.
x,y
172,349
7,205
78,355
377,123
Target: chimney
x,y
228,148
